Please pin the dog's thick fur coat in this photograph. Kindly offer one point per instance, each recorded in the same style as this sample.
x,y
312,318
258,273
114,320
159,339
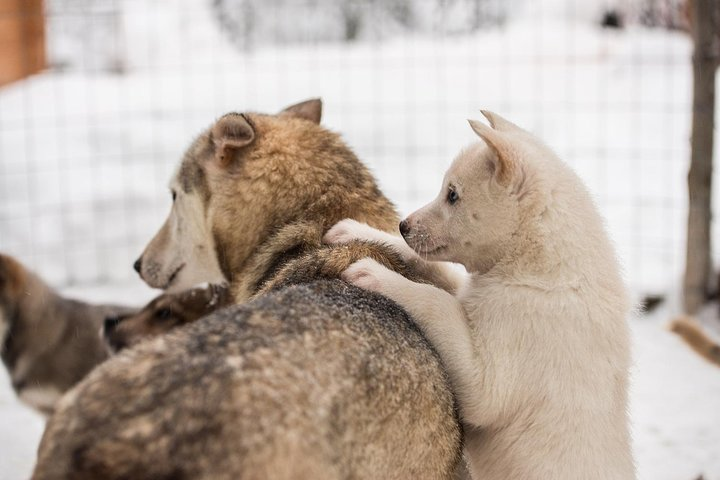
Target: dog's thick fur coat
x,y
48,343
536,342
313,380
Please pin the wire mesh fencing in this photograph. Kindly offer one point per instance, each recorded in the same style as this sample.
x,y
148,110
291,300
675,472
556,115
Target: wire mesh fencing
x,y
88,144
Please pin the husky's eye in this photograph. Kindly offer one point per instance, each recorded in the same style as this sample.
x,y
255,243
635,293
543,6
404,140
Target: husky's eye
x,y
163,314
452,196
174,194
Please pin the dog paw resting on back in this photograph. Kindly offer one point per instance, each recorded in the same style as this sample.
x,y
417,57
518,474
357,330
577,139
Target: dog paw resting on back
x,y
295,254
164,313
48,343
331,261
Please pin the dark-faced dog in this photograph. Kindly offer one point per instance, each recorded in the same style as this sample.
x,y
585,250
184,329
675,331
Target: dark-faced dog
x,y
164,313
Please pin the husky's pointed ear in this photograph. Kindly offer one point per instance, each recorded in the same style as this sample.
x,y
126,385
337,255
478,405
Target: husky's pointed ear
x,y
307,110
503,163
229,134
499,123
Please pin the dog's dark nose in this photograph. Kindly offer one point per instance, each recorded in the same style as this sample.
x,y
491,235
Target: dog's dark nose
x,y
404,228
111,322
138,265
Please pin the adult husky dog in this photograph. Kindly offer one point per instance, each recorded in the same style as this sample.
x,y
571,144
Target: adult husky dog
x,y
163,313
313,378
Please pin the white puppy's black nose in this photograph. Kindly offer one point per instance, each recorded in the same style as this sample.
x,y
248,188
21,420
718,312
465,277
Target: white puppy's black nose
x,y
138,265
404,228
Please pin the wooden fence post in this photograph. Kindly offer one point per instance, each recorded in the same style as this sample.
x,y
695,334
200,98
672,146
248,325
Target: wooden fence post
x,y
22,39
698,280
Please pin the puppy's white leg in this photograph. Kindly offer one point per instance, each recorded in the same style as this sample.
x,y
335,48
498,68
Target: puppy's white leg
x,y
442,319
440,274
348,230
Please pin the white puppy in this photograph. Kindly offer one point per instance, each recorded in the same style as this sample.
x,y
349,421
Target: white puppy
x,y
535,342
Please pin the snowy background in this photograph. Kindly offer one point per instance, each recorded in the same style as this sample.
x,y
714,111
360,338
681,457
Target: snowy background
x,y
87,148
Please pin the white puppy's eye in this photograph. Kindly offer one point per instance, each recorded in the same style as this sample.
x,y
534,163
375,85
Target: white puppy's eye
x,y
452,196
174,194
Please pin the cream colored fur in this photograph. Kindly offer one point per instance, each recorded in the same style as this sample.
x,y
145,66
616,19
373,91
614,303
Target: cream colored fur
x,y
535,341
182,254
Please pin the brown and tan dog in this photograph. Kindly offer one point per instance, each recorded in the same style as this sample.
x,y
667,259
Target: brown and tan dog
x,y
164,313
48,343
311,378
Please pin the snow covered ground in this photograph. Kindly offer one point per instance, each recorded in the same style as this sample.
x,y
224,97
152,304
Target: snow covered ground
x,y
674,401
85,158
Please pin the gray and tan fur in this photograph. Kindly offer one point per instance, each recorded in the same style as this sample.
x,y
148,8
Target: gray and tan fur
x,y
312,379
48,343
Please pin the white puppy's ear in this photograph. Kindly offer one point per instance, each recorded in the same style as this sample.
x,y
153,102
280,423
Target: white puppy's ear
x,y
308,110
504,165
499,123
229,134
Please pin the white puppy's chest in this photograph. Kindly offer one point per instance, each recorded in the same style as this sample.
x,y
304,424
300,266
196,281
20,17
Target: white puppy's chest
x,y
488,311
534,344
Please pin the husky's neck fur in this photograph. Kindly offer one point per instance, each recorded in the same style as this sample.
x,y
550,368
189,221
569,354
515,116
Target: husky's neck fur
x,y
303,234
287,243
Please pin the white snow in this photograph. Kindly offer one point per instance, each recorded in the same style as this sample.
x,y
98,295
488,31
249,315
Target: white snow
x,y
85,158
674,401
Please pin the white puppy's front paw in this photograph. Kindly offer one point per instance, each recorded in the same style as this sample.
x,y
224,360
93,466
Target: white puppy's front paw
x,y
367,274
348,230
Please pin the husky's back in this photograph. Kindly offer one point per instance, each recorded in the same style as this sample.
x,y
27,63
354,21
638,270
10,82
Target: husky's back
x,y
299,383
